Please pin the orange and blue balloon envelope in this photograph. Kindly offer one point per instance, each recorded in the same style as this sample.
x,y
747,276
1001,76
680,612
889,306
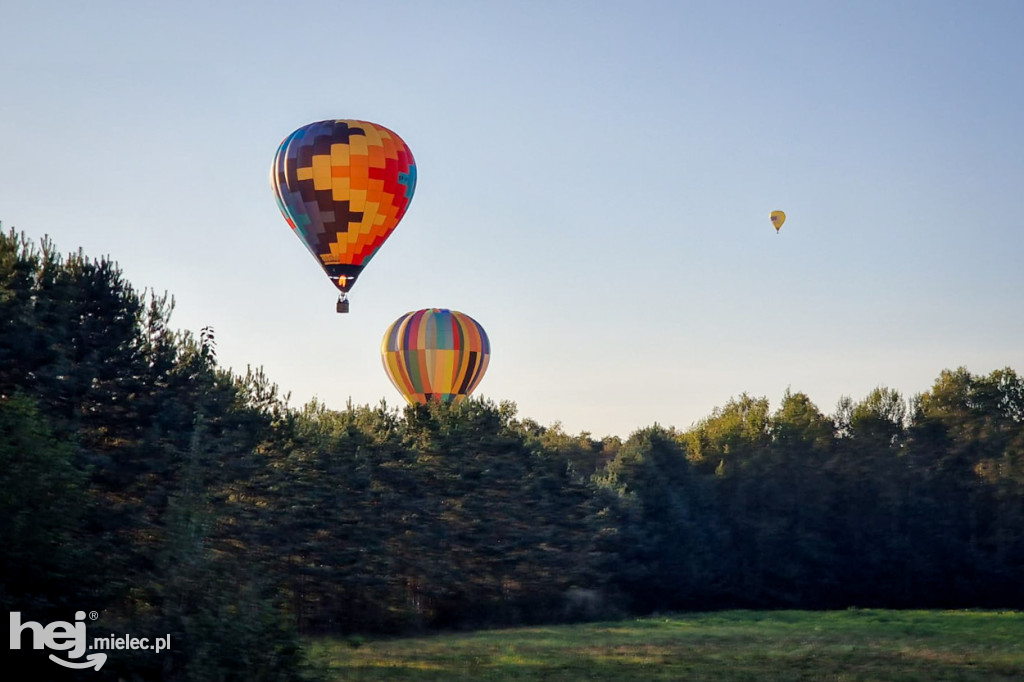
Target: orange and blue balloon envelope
x,y
778,217
343,186
435,354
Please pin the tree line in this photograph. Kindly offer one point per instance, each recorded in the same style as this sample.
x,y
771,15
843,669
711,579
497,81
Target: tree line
x,y
143,480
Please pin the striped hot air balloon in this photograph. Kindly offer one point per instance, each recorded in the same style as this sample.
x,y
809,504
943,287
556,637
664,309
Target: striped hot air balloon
x,y
435,354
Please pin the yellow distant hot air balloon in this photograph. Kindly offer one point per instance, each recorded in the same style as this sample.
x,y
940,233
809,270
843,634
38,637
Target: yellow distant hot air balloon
x,y
778,217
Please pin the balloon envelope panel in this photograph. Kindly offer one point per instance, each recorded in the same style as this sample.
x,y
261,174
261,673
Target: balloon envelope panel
x,y
435,354
343,186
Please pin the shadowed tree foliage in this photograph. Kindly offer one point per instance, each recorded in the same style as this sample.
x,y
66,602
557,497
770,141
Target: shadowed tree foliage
x,y
967,440
118,435
441,516
670,536
872,507
40,515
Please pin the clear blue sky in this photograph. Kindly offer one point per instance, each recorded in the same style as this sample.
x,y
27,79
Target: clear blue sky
x,y
594,186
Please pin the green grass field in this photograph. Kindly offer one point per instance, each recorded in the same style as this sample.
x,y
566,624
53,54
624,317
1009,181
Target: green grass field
x,y
924,646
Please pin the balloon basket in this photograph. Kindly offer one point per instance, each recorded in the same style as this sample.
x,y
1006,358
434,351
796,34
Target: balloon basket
x,y
342,306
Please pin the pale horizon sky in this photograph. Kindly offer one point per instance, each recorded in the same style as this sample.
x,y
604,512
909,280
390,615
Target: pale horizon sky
x,y
594,185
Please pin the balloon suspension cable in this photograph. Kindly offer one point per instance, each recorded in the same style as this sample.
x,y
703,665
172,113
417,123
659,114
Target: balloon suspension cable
x,y
342,306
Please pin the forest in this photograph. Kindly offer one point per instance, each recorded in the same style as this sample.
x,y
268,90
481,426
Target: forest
x,y
143,480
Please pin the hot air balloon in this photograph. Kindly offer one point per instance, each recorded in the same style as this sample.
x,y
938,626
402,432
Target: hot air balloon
x,y
343,186
778,217
435,354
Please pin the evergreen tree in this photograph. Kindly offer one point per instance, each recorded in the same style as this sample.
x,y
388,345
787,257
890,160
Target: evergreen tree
x,y
43,565
671,540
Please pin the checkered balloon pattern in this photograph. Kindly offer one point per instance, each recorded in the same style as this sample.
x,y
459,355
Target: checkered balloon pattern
x,y
435,354
343,186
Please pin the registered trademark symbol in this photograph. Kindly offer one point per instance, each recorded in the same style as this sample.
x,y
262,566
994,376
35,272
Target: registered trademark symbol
x,y
93,615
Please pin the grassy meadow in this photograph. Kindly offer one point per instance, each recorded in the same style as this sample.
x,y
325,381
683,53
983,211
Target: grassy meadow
x,y
862,645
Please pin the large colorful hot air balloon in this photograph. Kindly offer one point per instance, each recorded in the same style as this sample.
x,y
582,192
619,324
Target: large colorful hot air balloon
x,y
435,354
343,186
778,217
